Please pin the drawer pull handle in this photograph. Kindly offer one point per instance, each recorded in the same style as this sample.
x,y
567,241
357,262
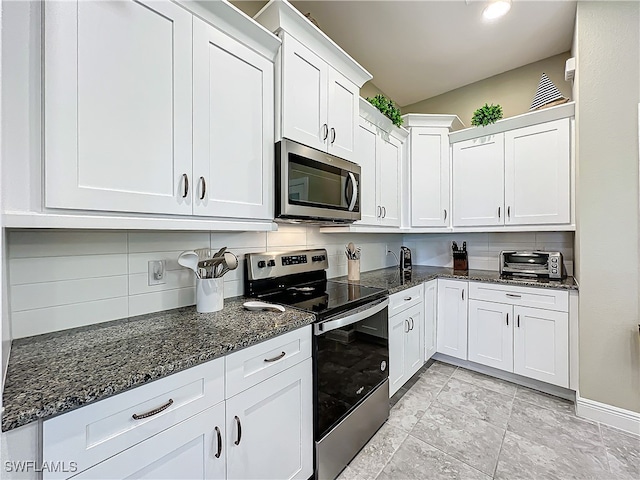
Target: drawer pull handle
x,y
406,322
411,318
275,359
518,321
237,441
219,435
463,294
507,319
406,299
185,177
513,295
203,182
153,412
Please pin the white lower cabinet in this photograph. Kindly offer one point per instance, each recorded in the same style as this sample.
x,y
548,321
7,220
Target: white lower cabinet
x,y
531,342
430,318
452,318
270,428
405,345
192,449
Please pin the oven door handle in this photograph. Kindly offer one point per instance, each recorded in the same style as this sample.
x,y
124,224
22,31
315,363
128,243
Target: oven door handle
x,y
329,325
354,196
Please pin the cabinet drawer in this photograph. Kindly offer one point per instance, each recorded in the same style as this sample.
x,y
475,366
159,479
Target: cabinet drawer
x,y
402,300
95,432
523,296
252,365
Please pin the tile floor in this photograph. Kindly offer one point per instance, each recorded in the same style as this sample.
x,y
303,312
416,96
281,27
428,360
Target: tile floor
x,y
449,422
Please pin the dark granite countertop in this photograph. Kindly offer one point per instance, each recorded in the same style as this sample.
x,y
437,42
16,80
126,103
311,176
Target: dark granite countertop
x,y
56,372
391,279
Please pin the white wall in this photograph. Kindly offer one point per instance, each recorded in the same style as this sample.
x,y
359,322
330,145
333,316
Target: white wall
x,y
484,248
66,279
608,91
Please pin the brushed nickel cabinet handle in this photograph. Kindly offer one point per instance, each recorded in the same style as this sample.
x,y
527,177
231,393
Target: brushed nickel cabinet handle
x,y
384,212
411,318
325,128
509,213
203,182
507,319
333,135
185,179
518,321
153,412
445,214
237,441
379,211
463,294
219,452
406,324
275,359
406,299
512,295
498,212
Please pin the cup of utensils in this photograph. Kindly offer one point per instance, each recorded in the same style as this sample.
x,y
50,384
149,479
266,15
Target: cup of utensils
x,y
209,268
353,261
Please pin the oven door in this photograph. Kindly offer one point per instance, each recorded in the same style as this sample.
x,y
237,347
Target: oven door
x,y
315,185
351,360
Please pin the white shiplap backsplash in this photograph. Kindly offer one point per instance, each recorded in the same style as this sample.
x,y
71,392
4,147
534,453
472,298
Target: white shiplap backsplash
x,y
65,279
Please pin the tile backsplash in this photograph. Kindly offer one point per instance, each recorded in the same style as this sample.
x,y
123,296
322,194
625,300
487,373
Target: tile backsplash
x,y
72,278
66,279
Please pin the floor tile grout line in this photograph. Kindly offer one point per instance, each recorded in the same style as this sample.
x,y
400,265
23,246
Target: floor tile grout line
x,y
482,387
495,469
450,455
606,451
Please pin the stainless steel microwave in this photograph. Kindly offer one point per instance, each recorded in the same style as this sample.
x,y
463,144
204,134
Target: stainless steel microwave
x,y
313,186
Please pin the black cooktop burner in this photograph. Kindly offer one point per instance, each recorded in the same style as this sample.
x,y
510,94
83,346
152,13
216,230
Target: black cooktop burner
x,y
325,297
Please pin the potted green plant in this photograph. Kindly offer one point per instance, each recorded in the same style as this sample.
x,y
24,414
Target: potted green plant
x,y
387,107
486,115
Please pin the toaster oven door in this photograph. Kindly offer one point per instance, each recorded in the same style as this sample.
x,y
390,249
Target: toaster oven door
x,y
525,263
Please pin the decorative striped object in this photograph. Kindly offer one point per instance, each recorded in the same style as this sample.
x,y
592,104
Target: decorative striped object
x,y
546,94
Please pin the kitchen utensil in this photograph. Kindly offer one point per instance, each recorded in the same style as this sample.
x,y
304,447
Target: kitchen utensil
x,y
219,252
189,259
254,305
209,266
230,262
204,253
352,252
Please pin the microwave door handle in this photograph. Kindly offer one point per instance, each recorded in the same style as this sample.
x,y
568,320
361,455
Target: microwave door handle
x,y
329,325
354,197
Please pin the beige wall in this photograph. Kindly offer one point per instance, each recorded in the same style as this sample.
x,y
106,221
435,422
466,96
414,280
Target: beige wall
x,y
608,91
370,90
513,90
250,7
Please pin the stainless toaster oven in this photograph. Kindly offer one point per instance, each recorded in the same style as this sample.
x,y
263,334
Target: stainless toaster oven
x,y
535,264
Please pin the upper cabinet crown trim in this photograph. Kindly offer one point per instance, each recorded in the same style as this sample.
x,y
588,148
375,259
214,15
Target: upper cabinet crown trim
x,y
377,118
236,24
452,122
280,15
524,120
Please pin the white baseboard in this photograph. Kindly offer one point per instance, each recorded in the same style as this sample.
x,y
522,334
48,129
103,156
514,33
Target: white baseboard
x,y
608,414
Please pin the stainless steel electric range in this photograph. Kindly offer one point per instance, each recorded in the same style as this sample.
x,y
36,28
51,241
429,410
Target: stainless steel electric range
x,y
350,348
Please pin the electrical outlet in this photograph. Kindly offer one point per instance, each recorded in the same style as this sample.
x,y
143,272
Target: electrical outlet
x,y
157,272
386,249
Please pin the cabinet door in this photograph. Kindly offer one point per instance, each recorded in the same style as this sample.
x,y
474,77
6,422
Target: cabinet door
x,y
541,345
367,147
537,164
187,450
398,329
389,158
478,181
270,427
343,114
429,177
232,127
452,318
414,340
304,95
491,334
118,106
430,315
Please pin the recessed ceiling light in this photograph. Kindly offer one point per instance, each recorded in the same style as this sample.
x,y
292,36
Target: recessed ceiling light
x,y
496,9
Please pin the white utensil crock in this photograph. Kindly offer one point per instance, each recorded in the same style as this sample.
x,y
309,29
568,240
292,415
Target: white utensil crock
x,y
209,294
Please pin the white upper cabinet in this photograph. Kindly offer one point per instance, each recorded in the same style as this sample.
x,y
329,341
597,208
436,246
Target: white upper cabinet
x,y
118,106
537,168
318,85
389,159
429,169
517,174
304,95
342,116
478,182
367,146
232,127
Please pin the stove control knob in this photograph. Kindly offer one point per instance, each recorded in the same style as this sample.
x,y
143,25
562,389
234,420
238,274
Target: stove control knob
x,y
262,264
272,263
